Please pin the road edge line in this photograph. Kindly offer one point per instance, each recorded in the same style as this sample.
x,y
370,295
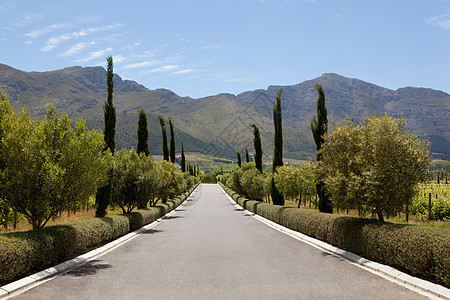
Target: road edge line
x,y
384,271
14,287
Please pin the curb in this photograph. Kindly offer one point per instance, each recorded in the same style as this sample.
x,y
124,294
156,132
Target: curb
x,y
10,288
376,268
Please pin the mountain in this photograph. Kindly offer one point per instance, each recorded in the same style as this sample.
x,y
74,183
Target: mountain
x,y
219,124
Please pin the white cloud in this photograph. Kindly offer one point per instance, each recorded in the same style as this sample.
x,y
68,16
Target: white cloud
x,y
118,58
28,42
184,71
141,64
164,68
77,48
49,28
94,55
442,21
28,19
53,42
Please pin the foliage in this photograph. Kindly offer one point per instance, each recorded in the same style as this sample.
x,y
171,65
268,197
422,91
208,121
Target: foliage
x,y
234,180
208,178
296,182
49,165
183,159
142,132
254,184
238,155
164,138
277,196
319,128
247,156
375,166
440,201
258,148
109,109
172,182
172,142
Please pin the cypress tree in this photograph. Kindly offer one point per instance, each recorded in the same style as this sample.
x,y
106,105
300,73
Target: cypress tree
x,y
258,148
319,130
277,197
164,138
247,156
103,195
238,154
142,132
183,159
172,142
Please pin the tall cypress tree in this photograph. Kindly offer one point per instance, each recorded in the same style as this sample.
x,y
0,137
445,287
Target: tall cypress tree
x,y
277,197
103,194
258,148
172,142
142,132
183,159
164,138
319,130
238,154
247,156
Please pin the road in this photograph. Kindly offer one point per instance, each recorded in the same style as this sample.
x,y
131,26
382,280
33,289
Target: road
x,y
209,249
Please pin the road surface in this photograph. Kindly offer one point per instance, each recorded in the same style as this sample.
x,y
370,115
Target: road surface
x,y
209,249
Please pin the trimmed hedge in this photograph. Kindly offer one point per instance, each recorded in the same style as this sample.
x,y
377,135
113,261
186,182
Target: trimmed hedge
x,y
419,250
25,252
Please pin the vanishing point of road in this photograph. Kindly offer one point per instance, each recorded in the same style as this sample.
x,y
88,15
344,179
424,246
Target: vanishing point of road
x,y
209,249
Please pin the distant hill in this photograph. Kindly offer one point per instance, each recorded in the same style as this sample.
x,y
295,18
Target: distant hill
x,y
219,124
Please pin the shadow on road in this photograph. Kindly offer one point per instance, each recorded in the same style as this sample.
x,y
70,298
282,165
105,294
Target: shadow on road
x,y
172,217
89,268
151,231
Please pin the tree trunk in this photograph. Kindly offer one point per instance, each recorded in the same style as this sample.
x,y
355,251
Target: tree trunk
x,y
299,201
380,216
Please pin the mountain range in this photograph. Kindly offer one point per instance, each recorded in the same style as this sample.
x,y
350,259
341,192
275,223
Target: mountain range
x,y
219,124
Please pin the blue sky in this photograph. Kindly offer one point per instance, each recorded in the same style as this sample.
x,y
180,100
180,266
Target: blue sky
x,y
201,48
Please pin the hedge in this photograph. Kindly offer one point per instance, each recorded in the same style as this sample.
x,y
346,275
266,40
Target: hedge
x,y
22,253
419,250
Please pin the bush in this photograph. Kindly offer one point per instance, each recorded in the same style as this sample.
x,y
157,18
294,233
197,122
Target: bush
x,y
25,252
419,250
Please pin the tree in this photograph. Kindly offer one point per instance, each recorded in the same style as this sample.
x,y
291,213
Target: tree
x,y
296,182
183,159
49,166
164,138
375,166
142,132
277,197
103,195
258,148
319,130
253,182
247,156
238,154
172,142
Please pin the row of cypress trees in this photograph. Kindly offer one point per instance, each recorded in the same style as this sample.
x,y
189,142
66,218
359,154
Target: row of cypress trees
x,y
103,194
319,130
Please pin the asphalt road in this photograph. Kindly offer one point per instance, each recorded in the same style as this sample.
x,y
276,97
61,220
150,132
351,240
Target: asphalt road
x,y
209,249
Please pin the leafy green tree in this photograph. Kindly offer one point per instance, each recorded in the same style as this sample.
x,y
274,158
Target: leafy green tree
x,y
164,138
238,154
135,180
319,130
375,166
49,166
183,159
247,156
103,195
277,196
296,182
172,142
253,183
172,181
258,148
142,132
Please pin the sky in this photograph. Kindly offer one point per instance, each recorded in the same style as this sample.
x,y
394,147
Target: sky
x,y
202,48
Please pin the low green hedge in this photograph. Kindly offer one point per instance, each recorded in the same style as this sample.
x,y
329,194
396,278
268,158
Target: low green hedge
x,y
421,251
25,252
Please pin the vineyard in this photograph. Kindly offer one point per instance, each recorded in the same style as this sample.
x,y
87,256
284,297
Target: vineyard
x,y
440,202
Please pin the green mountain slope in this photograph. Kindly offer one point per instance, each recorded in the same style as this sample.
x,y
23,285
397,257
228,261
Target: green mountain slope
x,y
219,124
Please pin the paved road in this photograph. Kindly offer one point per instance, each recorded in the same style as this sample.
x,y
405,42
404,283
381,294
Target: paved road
x,y
209,249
